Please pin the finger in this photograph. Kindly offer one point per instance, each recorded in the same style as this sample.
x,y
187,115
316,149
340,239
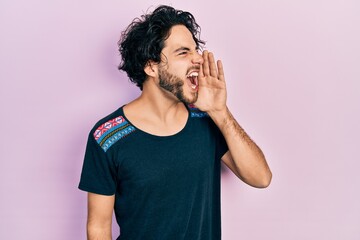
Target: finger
x,y
201,72
221,75
212,65
206,70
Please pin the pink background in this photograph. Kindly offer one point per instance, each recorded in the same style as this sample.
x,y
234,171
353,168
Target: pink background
x,y
293,76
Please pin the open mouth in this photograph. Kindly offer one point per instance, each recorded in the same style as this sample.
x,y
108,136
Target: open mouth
x,y
193,80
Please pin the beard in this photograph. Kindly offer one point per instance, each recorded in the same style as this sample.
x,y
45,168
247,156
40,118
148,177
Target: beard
x,y
175,85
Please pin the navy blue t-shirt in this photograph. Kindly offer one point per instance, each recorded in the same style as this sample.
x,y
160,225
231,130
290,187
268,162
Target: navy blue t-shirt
x,y
166,187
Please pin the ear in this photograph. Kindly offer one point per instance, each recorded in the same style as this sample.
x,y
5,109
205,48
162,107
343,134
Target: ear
x,y
151,69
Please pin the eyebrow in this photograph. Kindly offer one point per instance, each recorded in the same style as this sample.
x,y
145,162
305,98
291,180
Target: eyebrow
x,y
181,49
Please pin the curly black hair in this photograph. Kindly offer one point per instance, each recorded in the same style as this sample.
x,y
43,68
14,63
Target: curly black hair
x,y
143,40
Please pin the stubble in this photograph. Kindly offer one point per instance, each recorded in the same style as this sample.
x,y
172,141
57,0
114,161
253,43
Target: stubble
x,y
175,85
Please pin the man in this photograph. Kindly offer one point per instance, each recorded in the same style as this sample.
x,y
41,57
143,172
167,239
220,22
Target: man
x,y
156,160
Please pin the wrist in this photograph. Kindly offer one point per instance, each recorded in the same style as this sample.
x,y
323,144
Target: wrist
x,y
220,116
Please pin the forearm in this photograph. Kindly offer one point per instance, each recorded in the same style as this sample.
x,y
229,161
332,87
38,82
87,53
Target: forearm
x,y
247,160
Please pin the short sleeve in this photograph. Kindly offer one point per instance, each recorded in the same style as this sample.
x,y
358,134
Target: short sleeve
x,y
221,145
98,171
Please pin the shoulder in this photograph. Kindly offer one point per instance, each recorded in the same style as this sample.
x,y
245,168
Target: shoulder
x,y
196,113
111,129
200,117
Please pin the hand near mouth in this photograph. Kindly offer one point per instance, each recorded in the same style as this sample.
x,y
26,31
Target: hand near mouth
x,y
212,87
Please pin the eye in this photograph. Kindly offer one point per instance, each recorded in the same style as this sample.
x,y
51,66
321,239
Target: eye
x,y
182,53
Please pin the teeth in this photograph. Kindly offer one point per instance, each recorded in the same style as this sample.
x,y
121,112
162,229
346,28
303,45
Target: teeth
x,y
193,74
194,79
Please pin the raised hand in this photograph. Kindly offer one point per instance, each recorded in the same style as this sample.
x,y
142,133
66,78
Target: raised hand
x,y
212,87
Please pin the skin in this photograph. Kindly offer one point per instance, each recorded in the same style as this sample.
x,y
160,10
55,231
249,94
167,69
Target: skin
x,y
166,115
100,209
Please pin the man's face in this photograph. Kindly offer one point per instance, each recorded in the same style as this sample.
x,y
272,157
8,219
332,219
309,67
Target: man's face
x,y
180,65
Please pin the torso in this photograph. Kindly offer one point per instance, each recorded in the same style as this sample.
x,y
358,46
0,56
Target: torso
x,y
166,187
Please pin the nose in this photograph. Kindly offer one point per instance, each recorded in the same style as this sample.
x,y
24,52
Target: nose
x,y
197,59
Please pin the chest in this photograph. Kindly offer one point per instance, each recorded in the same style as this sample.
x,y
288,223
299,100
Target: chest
x,y
179,161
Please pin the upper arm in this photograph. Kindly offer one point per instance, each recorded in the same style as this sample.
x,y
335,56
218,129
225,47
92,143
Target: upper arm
x,y
229,162
100,209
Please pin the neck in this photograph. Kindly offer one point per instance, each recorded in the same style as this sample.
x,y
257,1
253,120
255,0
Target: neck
x,y
158,102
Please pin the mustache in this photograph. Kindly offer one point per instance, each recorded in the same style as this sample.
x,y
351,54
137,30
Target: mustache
x,y
193,68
